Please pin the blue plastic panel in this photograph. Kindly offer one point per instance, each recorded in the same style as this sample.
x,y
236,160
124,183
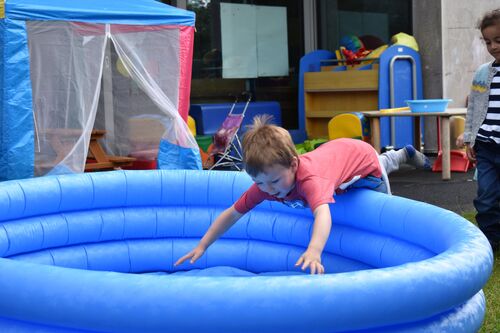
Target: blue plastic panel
x,y
209,117
403,90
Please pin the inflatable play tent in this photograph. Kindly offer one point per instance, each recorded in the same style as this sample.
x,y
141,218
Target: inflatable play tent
x,y
70,67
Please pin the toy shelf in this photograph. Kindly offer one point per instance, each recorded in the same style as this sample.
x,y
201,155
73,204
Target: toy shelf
x,y
328,93
328,88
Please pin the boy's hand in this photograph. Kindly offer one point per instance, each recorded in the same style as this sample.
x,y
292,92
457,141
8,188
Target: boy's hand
x,y
312,259
471,153
194,255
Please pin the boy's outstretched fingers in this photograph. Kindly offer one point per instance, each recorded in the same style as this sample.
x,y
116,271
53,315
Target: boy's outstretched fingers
x,y
315,266
182,259
194,255
300,261
320,268
191,255
312,266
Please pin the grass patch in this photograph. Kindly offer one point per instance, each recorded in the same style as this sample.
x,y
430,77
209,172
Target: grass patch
x,y
491,291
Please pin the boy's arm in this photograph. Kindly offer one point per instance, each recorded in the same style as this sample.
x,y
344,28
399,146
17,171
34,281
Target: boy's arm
x,y
321,231
222,223
467,135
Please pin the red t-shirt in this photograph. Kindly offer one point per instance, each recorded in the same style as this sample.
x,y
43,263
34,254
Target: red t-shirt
x,y
320,174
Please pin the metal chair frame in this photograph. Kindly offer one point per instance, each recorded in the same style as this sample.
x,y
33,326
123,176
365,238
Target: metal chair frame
x,y
231,154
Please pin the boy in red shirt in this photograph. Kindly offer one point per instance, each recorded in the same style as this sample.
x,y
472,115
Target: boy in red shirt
x,y
309,180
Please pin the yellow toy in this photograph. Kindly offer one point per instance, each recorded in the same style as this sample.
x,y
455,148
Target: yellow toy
x,y
404,108
192,125
457,127
405,39
348,125
120,67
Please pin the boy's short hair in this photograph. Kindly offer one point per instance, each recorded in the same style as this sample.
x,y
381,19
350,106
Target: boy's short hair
x,y
265,145
489,19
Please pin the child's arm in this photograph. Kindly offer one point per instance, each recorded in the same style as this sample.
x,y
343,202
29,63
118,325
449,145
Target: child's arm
x,y
223,222
467,135
321,231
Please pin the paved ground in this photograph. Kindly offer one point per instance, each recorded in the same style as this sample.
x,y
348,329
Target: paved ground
x,y
456,194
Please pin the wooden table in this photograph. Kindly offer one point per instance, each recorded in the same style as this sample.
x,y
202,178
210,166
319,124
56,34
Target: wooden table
x,y
444,121
104,161
99,160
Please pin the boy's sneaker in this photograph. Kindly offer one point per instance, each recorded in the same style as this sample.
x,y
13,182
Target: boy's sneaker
x,y
416,158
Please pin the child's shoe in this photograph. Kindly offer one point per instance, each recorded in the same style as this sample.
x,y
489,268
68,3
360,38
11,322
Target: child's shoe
x,y
416,158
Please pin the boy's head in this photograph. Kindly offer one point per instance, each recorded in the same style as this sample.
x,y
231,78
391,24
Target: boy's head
x,y
270,157
490,29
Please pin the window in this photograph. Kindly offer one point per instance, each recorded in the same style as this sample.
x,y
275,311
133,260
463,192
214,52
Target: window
x,y
375,20
209,84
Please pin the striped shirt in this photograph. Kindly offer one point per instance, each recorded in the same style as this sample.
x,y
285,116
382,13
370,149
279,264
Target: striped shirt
x,y
490,128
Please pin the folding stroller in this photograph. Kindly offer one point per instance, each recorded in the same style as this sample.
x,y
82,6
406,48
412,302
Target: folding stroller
x,y
226,151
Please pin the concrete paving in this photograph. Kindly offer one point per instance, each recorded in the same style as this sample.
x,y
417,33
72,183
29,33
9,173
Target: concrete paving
x,y
455,194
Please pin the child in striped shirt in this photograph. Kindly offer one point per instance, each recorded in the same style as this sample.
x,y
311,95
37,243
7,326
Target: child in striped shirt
x,y
482,131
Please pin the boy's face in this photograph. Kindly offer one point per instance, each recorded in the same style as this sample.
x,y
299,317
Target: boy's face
x,y
277,180
491,36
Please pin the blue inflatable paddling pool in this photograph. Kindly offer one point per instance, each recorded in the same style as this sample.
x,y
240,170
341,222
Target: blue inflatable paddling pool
x,y
94,253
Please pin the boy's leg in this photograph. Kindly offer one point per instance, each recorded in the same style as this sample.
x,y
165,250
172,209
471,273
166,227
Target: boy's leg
x,y
392,159
416,158
488,193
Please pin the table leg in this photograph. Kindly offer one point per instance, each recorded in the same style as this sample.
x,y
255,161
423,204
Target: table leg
x,y
445,148
416,134
97,151
375,128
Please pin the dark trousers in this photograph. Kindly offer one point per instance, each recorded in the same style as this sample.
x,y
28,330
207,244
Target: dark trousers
x,y
487,202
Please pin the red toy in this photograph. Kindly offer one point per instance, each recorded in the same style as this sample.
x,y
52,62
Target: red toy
x,y
352,57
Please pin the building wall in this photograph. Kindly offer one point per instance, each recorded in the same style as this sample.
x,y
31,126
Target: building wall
x,y
451,49
463,49
427,31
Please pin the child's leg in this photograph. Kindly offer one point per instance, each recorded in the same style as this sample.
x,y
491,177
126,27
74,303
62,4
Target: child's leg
x,y
488,192
416,158
392,159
